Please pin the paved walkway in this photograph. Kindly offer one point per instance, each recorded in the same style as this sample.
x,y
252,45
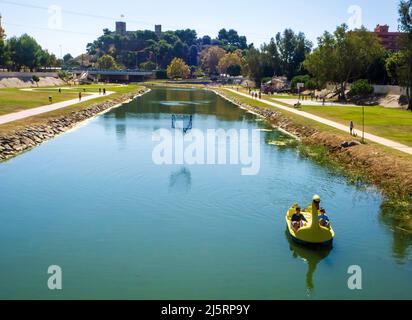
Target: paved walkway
x,y
47,108
385,142
292,102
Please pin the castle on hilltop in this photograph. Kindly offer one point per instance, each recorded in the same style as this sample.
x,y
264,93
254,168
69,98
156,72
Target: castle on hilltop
x,y
121,28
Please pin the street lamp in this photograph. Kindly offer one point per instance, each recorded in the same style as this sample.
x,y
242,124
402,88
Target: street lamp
x,y
363,124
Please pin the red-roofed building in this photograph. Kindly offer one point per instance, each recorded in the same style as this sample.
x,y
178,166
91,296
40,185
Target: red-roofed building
x,y
389,40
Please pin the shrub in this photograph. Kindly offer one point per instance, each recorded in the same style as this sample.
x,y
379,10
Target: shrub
x,y
36,79
361,88
148,66
161,74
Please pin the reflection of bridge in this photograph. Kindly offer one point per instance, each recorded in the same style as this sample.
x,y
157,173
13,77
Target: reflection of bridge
x,y
114,75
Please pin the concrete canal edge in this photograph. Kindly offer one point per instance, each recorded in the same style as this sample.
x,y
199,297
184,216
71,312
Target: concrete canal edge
x,y
30,137
391,173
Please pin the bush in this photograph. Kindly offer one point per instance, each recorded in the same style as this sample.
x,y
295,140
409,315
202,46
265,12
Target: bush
x,y
36,79
361,88
161,74
148,66
234,70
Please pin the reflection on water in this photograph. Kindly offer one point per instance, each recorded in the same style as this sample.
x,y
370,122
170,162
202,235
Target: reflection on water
x,y
181,181
311,256
121,131
398,219
183,103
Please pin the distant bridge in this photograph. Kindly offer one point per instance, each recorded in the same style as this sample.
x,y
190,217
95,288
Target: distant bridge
x,y
115,75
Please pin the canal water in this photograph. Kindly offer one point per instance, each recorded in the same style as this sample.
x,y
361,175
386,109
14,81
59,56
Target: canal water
x,y
93,202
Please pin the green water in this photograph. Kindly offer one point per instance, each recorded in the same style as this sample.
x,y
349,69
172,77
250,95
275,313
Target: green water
x,y
93,202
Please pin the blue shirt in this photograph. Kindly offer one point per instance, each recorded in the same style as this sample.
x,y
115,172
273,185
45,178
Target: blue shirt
x,y
324,219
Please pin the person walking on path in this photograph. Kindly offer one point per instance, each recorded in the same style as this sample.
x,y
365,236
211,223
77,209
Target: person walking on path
x,y
351,127
260,95
80,96
104,91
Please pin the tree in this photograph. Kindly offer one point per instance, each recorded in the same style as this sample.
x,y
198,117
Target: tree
x,y
271,62
47,59
253,67
148,66
231,63
343,56
178,69
65,76
300,79
68,57
187,36
405,44
292,49
192,58
107,62
25,52
4,54
206,41
231,40
36,79
210,58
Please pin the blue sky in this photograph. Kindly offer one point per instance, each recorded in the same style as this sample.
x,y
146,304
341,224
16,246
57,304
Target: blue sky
x,y
83,21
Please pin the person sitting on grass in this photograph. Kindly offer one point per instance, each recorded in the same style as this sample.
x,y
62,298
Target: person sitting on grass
x,y
298,219
324,219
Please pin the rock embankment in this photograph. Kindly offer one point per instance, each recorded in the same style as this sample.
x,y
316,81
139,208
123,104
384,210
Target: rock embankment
x,y
31,136
275,117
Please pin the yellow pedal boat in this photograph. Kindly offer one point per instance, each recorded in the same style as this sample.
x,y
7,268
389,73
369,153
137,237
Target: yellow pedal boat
x,y
312,233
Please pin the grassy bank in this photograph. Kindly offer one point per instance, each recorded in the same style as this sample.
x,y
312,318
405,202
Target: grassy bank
x,y
394,124
389,170
15,100
43,118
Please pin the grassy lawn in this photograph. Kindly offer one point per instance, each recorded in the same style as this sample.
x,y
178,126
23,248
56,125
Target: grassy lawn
x,y
14,100
394,124
43,118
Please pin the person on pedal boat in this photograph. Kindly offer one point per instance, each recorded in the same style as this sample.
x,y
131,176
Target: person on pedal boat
x,y
324,219
298,219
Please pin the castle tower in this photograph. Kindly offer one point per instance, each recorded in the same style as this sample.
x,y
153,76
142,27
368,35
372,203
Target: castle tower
x,y
158,30
121,27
